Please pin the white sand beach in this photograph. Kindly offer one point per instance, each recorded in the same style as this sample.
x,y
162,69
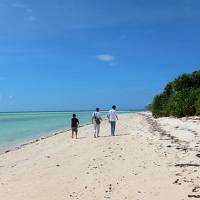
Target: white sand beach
x,y
149,159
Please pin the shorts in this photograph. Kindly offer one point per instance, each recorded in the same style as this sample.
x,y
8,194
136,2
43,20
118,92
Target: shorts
x,y
75,129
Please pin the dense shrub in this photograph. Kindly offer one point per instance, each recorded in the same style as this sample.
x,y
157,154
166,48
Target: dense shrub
x,y
180,97
197,106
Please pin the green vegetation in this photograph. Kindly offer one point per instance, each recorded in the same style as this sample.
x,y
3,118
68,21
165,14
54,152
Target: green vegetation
x,y
180,97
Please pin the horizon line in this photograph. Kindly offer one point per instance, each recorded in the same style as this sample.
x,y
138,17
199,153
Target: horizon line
x,y
81,110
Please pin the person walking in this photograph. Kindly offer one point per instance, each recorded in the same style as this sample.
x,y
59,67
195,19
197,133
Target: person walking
x,y
96,120
112,117
74,125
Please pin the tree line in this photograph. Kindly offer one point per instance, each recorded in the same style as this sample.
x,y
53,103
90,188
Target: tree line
x,y
180,97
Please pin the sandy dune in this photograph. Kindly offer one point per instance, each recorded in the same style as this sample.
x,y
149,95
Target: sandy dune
x,y
148,160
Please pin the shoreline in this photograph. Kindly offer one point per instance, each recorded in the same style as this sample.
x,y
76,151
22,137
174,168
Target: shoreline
x,y
119,167
7,147
18,146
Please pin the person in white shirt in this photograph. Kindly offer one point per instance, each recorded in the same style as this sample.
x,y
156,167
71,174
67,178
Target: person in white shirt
x,y
96,120
112,117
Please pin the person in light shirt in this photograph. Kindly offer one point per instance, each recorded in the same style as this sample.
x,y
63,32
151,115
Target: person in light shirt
x,y
112,117
96,120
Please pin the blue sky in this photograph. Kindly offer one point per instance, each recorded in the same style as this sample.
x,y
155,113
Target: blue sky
x,y
79,54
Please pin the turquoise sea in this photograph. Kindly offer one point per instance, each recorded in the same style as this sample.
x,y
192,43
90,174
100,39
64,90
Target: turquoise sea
x,y
16,128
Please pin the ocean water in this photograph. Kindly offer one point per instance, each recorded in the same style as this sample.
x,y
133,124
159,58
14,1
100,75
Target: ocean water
x,y
16,128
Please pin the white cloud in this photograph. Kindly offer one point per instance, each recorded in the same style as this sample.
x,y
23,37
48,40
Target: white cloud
x,y
105,57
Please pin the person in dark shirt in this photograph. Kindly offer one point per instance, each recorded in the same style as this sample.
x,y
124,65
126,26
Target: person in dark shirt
x,y
74,125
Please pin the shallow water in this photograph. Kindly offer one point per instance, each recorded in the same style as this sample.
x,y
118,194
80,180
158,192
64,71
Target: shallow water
x,y
16,128
19,127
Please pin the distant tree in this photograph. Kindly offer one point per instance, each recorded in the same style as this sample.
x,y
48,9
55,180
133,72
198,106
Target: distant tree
x,y
158,105
197,105
182,82
168,89
180,97
195,79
